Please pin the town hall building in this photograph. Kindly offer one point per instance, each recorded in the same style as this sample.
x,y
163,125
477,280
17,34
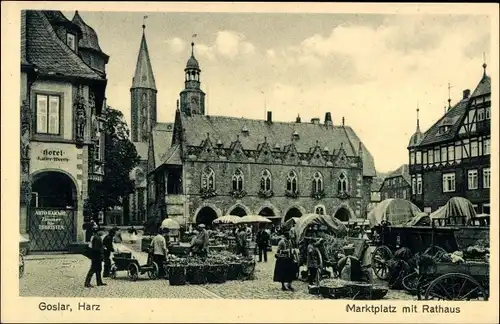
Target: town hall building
x,y
203,166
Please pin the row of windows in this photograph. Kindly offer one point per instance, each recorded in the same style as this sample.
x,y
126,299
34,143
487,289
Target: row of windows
x,y
472,180
455,152
403,195
292,181
394,181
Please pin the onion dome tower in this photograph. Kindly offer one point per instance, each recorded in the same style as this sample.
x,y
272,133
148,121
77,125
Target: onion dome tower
x,y
192,98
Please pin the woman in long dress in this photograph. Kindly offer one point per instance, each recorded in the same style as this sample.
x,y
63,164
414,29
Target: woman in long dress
x,y
285,268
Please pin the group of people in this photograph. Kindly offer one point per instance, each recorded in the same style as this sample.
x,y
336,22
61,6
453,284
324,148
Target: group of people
x,y
99,251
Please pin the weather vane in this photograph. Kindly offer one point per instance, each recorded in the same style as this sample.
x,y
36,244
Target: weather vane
x,y
144,22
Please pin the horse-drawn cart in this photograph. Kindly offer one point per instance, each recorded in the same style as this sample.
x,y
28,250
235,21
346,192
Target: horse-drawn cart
x,y
454,281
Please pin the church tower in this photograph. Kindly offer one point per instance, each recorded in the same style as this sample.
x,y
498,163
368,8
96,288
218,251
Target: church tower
x,y
143,95
192,98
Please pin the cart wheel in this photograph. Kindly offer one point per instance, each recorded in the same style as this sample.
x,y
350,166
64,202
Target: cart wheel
x,y
153,273
112,272
133,272
422,283
455,286
410,283
21,265
380,256
434,250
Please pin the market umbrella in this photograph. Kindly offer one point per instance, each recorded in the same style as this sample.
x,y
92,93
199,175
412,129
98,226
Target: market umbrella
x,y
249,219
228,219
170,224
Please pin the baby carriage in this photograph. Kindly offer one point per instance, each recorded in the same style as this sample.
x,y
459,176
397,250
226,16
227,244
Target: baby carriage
x,y
126,262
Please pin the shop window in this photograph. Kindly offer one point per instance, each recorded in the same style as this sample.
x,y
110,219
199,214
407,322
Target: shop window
x,y
238,180
208,179
449,182
265,180
47,114
472,179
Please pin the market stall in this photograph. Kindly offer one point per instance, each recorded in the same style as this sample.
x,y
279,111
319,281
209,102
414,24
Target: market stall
x,y
393,211
457,211
215,268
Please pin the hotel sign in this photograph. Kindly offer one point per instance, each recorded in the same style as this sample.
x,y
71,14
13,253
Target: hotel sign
x,y
54,156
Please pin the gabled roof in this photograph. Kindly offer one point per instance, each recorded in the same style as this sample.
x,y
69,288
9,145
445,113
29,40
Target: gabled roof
x,y
402,171
24,60
377,183
49,53
144,77
89,37
142,150
226,129
484,87
162,141
454,116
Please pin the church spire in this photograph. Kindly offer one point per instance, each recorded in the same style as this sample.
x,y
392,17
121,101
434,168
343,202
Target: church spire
x,y
144,77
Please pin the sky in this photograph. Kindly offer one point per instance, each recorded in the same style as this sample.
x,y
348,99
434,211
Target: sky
x,y
372,69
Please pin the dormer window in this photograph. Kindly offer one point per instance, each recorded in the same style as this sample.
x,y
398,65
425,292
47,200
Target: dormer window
x,y
71,41
295,135
444,129
244,130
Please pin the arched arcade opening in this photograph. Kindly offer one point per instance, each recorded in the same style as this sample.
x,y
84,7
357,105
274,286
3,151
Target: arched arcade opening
x,y
343,214
238,211
293,212
52,221
206,216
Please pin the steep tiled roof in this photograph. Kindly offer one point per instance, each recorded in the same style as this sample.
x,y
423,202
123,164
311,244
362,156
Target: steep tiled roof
x,y
226,129
173,156
89,37
162,141
49,54
142,150
144,76
454,116
484,87
402,171
24,60
376,183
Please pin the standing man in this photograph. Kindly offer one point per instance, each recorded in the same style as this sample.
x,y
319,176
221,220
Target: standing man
x,y
108,248
241,238
159,251
96,252
262,243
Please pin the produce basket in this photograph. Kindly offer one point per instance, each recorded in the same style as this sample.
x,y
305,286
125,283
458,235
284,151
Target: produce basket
x,y
196,274
216,273
313,290
233,270
176,275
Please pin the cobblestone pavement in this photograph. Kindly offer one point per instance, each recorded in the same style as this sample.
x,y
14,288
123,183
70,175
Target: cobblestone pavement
x,y
63,276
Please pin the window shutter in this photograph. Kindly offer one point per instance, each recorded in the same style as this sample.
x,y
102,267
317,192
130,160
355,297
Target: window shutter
x,y
53,115
41,114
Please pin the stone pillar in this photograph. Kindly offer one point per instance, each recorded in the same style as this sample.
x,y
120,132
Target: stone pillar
x,y
83,194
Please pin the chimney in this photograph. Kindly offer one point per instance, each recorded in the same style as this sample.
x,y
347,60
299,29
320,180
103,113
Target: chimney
x,y
328,119
466,94
298,120
269,116
315,121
